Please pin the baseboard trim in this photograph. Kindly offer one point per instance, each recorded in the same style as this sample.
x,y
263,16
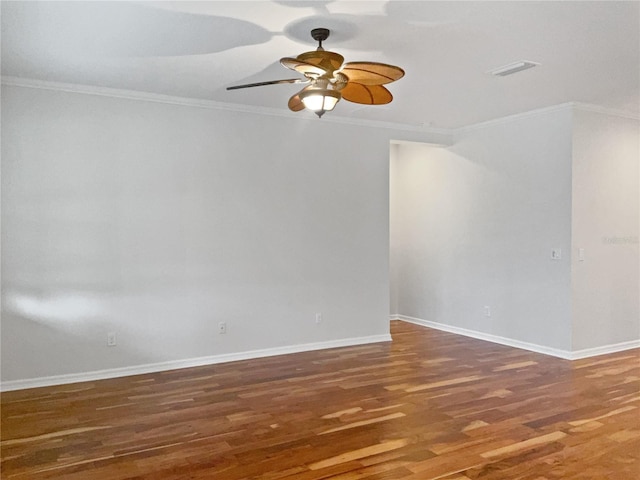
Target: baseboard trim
x,y
509,342
186,363
613,348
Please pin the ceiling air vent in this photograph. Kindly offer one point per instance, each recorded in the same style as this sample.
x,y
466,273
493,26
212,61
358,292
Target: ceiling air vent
x,y
512,68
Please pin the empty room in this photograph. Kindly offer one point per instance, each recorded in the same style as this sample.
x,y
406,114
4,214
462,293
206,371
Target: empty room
x,y
310,240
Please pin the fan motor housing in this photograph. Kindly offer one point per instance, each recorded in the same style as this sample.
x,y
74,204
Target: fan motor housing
x,y
320,34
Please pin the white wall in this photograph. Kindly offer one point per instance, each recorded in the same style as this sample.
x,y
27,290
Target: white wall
x,y
475,226
158,221
606,305
395,225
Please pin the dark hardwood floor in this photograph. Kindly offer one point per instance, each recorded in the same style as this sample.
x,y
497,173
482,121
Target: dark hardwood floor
x,y
429,405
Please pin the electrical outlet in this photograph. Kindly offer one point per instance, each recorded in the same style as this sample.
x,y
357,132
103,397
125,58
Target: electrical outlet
x,y
318,317
487,311
222,328
111,339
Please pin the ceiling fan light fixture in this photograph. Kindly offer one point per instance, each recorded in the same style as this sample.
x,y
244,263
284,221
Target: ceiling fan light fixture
x,y
320,100
330,79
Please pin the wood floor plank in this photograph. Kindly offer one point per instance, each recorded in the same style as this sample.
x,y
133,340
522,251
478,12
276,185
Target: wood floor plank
x,y
430,405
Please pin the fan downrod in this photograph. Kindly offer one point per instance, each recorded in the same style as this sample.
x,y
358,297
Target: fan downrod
x,y
320,35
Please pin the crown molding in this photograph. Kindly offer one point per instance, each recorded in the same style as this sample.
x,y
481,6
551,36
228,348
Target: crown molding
x,y
514,117
447,133
587,107
208,104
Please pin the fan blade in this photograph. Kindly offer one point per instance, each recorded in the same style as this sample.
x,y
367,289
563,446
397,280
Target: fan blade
x,y
272,82
366,94
303,67
295,102
371,73
329,61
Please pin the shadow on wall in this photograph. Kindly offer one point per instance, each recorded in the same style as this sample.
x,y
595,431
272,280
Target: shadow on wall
x,y
40,333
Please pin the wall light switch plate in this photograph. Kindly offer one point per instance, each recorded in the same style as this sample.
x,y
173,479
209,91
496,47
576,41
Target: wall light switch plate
x,y
581,254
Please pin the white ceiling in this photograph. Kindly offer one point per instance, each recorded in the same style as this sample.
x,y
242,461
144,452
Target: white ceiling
x,y
589,51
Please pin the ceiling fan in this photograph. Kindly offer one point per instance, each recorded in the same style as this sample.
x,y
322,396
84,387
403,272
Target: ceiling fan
x,y
329,79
